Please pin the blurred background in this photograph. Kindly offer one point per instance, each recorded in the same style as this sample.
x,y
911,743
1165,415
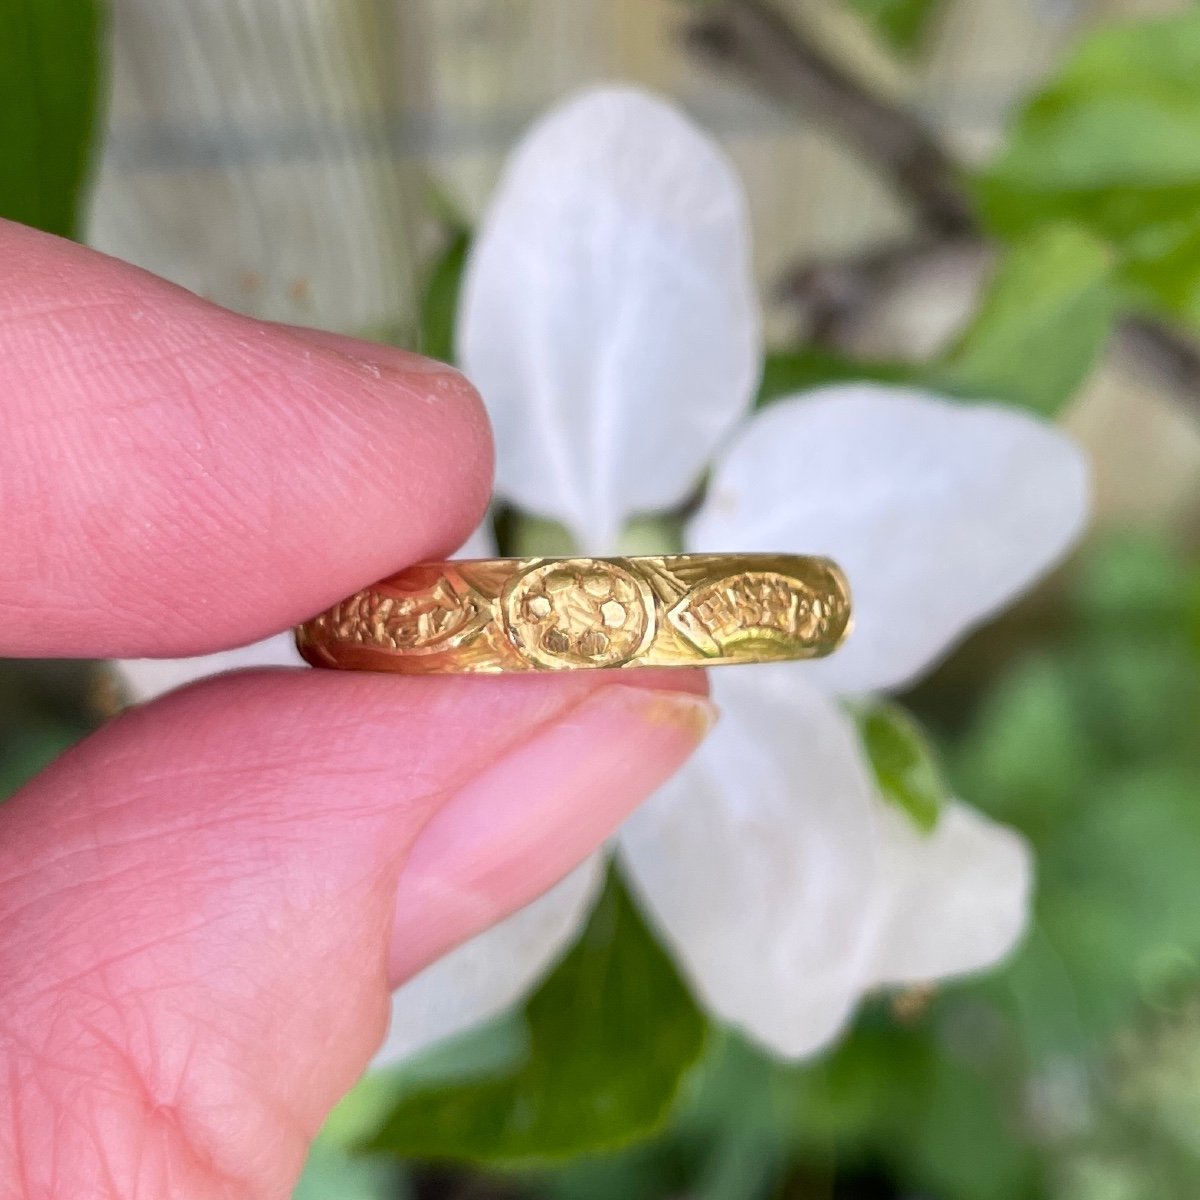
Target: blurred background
x,y
997,197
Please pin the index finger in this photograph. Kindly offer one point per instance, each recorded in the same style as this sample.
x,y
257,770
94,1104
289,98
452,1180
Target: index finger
x,y
176,478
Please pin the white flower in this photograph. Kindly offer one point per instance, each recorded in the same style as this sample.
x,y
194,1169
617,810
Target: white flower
x,y
608,317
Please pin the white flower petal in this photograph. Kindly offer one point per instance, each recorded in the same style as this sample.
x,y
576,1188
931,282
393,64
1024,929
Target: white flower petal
x,y
481,543
759,861
958,898
608,313
145,678
492,971
940,513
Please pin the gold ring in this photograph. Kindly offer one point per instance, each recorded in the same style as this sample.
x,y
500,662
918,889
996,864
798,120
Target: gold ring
x,y
495,615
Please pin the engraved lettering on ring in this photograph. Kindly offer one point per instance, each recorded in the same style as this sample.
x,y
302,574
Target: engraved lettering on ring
x,y
760,612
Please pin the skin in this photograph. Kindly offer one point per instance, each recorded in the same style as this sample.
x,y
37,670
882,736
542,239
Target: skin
x,y
204,905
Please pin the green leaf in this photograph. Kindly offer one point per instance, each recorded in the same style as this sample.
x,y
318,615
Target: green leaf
x,y
1113,145
906,767
537,537
901,23
1030,753
857,1087
1129,581
1042,323
32,747
963,1139
329,1172
49,58
613,1032
1193,618
439,300
1117,898
486,1052
1091,750
788,371
652,535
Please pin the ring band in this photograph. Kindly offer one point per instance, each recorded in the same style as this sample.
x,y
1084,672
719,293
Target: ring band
x,y
495,615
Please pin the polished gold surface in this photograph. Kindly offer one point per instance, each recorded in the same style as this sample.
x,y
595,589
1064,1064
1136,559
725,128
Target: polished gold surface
x,y
559,614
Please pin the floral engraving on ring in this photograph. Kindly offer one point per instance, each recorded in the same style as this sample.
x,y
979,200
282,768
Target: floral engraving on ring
x,y
431,617
579,613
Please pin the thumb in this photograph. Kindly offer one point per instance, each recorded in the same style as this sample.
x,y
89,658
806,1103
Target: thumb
x,y
203,905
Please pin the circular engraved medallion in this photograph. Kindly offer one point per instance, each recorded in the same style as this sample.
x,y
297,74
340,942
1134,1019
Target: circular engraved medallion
x,y
579,613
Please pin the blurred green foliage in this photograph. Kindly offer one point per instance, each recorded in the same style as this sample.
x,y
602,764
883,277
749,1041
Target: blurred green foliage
x,y
439,297
1094,751
611,1033
49,86
1043,321
1113,145
788,371
902,24
331,1173
34,744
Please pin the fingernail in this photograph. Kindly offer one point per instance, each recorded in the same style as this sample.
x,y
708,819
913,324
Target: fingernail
x,y
533,815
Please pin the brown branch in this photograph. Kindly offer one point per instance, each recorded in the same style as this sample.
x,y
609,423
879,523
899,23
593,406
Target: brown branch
x,y
753,40
830,295
756,42
1172,355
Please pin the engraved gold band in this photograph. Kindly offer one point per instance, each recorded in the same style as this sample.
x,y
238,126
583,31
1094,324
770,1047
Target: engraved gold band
x,y
497,615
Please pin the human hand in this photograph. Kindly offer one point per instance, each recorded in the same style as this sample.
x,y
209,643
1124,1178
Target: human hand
x,y
203,906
